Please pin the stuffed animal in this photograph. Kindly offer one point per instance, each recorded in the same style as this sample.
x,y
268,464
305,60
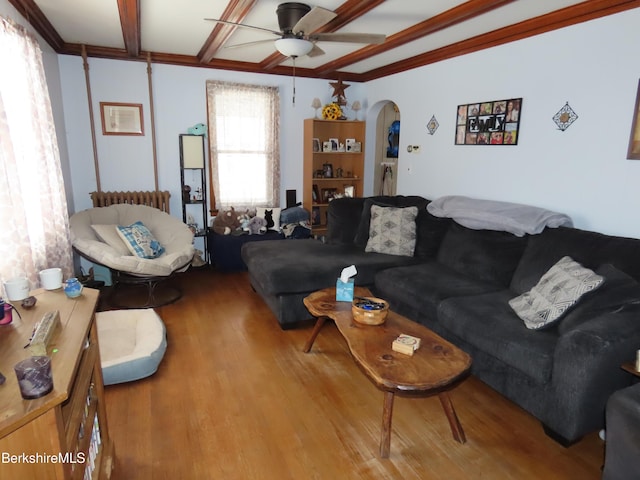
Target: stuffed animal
x,y
257,225
198,129
226,222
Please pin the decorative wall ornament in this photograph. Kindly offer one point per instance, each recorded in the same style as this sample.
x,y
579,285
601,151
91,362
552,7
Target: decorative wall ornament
x,y
565,117
634,139
495,122
433,125
338,92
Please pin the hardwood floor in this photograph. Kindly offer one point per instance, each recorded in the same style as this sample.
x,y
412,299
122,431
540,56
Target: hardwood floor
x,y
236,398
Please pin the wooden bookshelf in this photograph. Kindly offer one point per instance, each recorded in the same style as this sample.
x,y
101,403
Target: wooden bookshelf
x,y
346,166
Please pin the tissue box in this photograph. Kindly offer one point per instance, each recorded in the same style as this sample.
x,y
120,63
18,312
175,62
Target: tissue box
x,y
344,291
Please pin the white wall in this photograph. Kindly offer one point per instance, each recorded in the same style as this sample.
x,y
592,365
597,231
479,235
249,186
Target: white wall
x,y
582,171
126,163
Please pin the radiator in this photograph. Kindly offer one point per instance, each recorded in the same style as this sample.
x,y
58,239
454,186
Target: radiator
x,y
156,199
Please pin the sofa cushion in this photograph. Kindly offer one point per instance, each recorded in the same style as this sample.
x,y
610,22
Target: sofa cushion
x,y
487,322
420,288
362,234
392,230
556,292
296,266
591,249
343,218
485,255
618,290
430,231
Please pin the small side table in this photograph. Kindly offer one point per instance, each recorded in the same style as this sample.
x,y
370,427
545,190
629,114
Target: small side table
x,y
631,368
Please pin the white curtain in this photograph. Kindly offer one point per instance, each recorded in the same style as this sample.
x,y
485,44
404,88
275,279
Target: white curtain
x,y
34,226
244,145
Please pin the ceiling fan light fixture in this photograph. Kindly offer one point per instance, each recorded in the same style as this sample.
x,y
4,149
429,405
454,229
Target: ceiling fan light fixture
x,y
293,47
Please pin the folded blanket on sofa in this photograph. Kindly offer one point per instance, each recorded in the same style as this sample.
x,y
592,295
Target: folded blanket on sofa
x,y
494,215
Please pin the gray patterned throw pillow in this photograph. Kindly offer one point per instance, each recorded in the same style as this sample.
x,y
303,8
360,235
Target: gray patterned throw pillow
x,y
392,230
555,293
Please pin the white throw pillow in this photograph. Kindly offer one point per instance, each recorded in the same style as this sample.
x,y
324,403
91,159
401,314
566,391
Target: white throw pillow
x,y
109,235
392,230
556,292
271,215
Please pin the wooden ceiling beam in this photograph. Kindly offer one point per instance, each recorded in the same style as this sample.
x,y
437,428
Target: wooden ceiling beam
x,y
130,22
572,15
448,18
236,12
29,10
193,61
346,13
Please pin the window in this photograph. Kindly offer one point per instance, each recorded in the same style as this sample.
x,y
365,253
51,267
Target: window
x,y
244,145
33,206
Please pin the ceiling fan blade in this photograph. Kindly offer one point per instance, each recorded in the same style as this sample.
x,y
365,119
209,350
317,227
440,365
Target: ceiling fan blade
x,y
348,37
247,44
315,51
226,22
313,20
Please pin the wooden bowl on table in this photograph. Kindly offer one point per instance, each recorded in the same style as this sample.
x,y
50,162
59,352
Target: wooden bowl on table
x,y
369,310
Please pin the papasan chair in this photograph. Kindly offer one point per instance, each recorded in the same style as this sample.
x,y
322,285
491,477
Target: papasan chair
x,y
95,235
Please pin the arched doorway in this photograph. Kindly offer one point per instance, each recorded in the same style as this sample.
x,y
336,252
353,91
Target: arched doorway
x,y
385,175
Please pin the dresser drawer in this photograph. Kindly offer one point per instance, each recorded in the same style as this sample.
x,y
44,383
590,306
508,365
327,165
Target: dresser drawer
x,y
75,410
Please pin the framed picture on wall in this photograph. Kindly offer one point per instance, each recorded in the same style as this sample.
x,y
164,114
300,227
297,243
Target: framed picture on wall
x,y
634,139
495,122
349,191
328,194
315,216
121,118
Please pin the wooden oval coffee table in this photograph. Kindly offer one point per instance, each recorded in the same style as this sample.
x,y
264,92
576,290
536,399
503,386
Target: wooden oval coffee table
x,y
436,367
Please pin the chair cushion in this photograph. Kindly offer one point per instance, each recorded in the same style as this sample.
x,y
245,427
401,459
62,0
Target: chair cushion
x,y
132,344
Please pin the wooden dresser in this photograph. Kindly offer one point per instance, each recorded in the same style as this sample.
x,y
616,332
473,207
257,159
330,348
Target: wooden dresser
x,y
64,434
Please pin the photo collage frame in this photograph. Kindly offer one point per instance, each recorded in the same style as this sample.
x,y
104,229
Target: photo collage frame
x,y
495,122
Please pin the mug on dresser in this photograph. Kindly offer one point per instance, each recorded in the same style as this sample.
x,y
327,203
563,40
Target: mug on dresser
x,y
51,278
17,288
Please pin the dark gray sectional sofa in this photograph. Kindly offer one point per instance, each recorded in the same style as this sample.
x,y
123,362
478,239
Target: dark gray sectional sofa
x,y
459,282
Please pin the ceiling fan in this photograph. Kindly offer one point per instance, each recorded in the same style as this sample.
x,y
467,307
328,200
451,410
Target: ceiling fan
x,y
297,22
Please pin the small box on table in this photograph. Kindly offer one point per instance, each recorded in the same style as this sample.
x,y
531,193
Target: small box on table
x,y
344,290
405,344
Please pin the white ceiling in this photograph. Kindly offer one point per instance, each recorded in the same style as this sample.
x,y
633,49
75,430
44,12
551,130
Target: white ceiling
x,y
174,28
